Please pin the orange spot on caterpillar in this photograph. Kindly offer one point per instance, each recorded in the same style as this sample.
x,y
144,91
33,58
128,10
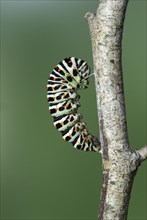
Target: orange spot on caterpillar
x,y
64,95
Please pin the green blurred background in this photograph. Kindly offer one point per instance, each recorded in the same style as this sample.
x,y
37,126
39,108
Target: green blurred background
x,y
42,177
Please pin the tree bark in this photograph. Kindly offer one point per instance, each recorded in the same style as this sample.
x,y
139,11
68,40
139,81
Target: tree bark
x,y
120,162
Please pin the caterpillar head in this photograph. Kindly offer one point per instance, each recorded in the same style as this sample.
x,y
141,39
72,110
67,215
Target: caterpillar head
x,y
84,71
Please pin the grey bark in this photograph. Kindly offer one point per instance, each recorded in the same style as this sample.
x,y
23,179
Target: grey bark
x,y
120,162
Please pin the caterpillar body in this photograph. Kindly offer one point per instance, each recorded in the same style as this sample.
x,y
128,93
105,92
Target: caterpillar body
x,y
66,78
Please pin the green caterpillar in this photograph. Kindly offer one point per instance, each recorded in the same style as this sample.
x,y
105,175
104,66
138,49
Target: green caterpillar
x,y
66,78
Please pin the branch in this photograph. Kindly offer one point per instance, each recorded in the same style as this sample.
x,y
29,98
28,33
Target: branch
x,y
106,29
143,153
120,163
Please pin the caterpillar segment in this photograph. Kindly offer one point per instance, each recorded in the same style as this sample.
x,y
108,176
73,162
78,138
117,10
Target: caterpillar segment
x,y
62,96
83,69
78,142
65,122
56,78
93,143
66,74
73,132
86,142
70,65
74,74
66,108
54,88
60,72
84,72
66,78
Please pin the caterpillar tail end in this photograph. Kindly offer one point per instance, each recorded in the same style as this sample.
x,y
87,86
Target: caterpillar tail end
x,y
97,145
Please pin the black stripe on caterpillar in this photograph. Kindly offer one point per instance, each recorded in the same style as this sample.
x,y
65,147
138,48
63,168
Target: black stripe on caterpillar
x,y
66,78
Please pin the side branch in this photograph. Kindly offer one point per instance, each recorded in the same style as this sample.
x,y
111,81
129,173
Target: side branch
x,y
90,17
143,153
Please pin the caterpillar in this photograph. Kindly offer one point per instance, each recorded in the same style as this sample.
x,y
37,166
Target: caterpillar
x,y
66,78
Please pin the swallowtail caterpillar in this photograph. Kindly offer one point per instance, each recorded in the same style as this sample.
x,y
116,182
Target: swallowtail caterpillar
x,y
66,78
